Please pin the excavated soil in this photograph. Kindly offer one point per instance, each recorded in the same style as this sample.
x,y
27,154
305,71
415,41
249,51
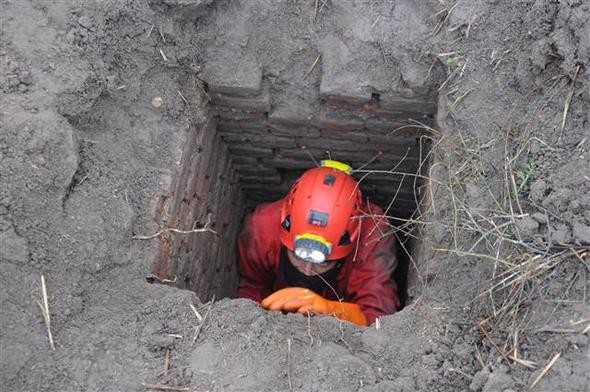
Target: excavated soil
x,y
84,154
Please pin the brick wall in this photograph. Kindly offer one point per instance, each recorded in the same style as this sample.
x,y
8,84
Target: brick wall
x,y
204,189
271,134
256,140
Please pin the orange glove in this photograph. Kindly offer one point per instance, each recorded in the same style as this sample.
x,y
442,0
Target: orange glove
x,y
304,301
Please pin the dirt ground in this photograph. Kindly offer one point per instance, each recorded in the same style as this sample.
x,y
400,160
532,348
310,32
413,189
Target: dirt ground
x,y
500,296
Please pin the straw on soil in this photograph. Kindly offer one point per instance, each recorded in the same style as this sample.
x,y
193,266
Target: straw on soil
x,y
45,311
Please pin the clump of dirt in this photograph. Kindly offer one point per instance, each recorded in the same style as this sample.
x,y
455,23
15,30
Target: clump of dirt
x,y
501,274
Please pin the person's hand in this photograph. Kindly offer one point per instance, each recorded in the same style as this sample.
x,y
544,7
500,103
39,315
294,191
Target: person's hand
x,y
305,301
291,299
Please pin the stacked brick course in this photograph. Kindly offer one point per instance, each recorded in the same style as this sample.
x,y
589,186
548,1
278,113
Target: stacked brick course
x,y
273,132
204,191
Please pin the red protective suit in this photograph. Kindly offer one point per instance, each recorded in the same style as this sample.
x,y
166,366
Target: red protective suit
x,y
365,279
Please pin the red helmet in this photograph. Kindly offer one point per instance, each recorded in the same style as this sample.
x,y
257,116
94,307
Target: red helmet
x,y
318,215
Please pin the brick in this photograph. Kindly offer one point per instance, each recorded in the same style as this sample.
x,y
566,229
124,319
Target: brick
x,y
359,136
261,179
357,76
229,209
181,178
297,113
200,152
304,154
251,151
237,114
208,160
264,140
391,104
288,163
244,160
254,170
293,131
416,76
224,75
337,144
216,173
260,103
236,126
339,120
237,133
351,73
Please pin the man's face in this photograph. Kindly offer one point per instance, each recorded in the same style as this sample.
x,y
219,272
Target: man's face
x,y
307,268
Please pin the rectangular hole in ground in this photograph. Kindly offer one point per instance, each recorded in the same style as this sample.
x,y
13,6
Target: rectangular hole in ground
x,y
229,166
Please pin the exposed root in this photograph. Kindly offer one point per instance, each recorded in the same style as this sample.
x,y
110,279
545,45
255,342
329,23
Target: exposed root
x,y
204,229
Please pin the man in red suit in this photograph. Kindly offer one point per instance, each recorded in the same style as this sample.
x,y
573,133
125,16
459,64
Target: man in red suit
x,y
320,250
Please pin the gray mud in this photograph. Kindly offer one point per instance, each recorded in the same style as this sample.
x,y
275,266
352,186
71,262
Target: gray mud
x,y
83,154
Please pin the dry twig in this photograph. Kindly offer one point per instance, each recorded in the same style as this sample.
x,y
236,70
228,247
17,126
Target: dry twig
x,y
183,97
196,312
312,66
167,361
199,327
160,387
545,370
568,101
315,11
289,364
487,335
45,311
163,55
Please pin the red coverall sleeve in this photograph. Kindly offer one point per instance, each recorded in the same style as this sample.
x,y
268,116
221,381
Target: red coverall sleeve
x,y
256,273
370,284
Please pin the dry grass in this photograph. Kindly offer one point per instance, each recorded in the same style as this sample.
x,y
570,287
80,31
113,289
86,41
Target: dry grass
x,y
312,67
160,387
486,231
202,320
44,306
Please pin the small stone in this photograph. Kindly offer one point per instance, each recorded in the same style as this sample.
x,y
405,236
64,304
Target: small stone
x,y
26,78
527,225
479,380
581,233
561,235
540,218
157,102
85,22
160,341
431,360
574,206
537,192
535,147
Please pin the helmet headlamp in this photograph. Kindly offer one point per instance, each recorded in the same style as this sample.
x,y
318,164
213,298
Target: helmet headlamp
x,y
312,248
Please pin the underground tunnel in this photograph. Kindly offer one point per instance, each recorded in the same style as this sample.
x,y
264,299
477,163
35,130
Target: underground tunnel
x,y
249,150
